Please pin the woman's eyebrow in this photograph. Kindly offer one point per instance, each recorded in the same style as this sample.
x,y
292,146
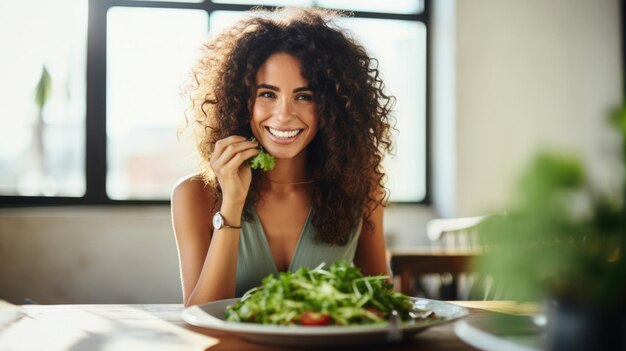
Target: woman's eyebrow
x,y
275,88
267,86
307,88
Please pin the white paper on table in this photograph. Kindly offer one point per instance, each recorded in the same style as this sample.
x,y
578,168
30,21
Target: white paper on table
x,y
9,313
63,327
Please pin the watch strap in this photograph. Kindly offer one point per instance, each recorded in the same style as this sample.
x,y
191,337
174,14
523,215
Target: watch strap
x,y
223,222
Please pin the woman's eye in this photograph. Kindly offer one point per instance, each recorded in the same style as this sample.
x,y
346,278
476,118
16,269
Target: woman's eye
x,y
305,97
267,94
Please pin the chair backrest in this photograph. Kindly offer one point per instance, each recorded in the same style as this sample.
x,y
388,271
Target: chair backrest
x,y
462,234
443,263
454,233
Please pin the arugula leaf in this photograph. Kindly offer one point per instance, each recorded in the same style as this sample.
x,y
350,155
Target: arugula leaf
x,y
340,295
263,160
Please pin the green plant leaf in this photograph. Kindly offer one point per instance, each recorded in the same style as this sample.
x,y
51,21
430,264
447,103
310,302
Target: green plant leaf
x,y
43,89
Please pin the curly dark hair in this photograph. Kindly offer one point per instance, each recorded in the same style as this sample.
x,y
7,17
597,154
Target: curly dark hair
x,y
354,111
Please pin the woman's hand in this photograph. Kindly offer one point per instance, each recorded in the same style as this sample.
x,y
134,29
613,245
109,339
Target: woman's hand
x,y
229,164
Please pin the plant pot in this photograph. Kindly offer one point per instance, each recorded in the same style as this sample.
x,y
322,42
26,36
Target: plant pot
x,y
580,328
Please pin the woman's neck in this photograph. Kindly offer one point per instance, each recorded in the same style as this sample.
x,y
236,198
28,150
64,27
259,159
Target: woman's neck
x,y
289,172
291,183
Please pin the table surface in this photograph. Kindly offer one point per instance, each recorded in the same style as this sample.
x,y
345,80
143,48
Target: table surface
x,y
161,327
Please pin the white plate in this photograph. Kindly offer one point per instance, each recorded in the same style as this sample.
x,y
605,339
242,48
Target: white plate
x,y
211,315
517,333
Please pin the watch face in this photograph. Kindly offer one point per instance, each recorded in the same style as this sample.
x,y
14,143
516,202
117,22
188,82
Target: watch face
x,y
218,221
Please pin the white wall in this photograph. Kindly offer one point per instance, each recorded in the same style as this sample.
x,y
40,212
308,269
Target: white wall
x,y
531,74
528,73
88,255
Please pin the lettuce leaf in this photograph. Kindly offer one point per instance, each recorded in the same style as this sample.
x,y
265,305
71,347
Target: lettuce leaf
x,y
263,160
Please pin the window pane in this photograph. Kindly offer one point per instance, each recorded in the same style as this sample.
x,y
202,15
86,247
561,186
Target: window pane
x,y
190,1
149,52
395,6
268,2
402,62
220,20
43,139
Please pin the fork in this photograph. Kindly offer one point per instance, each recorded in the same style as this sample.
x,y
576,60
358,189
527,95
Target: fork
x,y
394,334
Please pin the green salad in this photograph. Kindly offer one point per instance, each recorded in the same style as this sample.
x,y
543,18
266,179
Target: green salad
x,y
339,295
263,160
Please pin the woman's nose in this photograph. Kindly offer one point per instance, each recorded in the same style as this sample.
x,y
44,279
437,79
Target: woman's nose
x,y
284,109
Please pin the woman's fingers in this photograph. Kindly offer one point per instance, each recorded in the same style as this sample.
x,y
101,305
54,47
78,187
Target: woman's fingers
x,y
232,150
230,153
222,144
232,164
226,161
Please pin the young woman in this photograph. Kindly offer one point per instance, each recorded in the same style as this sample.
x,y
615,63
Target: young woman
x,y
313,99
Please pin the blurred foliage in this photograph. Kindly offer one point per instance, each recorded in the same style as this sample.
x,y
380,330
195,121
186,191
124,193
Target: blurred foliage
x,y
560,239
43,89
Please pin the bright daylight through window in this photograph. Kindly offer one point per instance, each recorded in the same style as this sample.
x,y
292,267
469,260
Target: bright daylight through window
x,y
149,50
42,97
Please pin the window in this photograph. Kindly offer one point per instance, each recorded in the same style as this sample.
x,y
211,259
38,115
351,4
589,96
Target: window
x,y
42,98
91,113
148,52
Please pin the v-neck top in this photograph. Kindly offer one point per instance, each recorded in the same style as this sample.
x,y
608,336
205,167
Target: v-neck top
x,y
255,260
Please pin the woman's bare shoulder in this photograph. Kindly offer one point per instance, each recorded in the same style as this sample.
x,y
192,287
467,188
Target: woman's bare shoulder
x,y
193,189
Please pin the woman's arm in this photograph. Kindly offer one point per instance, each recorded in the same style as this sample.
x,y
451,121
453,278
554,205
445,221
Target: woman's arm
x,y
371,251
208,256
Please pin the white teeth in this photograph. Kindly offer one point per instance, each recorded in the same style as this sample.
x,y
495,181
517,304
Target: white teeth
x,y
284,134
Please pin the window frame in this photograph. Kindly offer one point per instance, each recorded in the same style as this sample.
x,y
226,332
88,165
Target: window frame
x,y
95,119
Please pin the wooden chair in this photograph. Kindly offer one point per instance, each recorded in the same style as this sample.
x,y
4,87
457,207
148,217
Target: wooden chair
x,y
446,262
454,233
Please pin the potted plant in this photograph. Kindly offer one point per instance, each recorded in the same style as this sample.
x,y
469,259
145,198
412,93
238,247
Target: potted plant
x,y
564,243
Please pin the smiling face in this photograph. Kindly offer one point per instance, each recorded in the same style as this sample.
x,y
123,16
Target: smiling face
x,y
284,114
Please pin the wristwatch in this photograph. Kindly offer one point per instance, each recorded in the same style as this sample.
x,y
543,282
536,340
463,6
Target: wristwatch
x,y
219,223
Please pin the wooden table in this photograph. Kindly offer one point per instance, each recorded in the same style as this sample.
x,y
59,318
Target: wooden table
x,y
160,327
411,262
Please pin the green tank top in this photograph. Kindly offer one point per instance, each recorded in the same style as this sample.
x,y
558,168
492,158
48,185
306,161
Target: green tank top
x,y
255,260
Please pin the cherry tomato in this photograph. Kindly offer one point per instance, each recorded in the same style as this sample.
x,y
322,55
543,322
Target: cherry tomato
x,y
375,311
312,318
